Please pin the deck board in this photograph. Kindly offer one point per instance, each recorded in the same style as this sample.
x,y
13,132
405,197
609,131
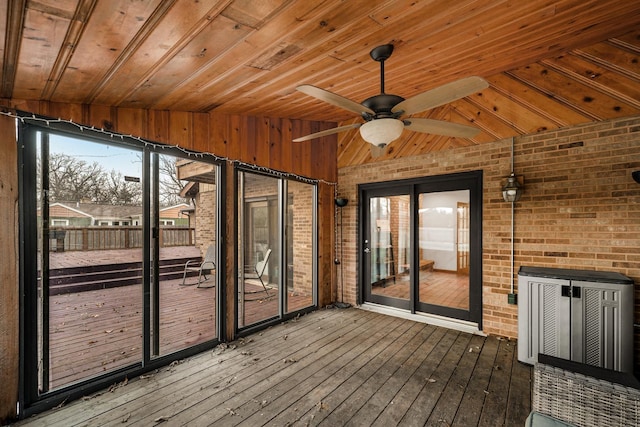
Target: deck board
x,y
330,367
476,390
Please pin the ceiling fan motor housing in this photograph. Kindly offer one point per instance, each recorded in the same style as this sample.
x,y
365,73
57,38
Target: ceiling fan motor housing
x,y
382,105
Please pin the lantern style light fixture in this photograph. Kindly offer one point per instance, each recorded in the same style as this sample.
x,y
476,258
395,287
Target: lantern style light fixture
x,y
381,132
512,190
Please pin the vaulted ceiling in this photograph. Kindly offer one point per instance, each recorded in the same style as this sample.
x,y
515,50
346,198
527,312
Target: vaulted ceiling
x,y
550,64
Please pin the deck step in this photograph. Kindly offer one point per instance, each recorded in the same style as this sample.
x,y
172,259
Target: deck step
x,y
80,279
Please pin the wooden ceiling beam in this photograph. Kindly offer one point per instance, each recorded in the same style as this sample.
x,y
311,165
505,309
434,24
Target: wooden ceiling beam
x,y
15,13
132,47
72,38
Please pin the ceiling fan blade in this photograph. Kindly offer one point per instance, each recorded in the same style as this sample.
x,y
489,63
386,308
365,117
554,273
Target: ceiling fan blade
x,y
333,99
327,132
441,95
438,127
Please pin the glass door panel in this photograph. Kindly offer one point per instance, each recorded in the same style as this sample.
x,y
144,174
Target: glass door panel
x,y
389,249
258,247
443,253
90,259
300,246
186,283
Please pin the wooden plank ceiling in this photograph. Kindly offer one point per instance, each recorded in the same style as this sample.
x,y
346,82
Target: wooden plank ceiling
x,y
550,64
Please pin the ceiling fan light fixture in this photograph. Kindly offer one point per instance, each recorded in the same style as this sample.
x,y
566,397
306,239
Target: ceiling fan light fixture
x,y
381,132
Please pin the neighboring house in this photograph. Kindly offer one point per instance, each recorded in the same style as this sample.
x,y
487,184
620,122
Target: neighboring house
x,y
175,215
78,214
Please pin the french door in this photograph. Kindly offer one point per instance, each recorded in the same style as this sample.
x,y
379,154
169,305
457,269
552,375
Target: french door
x,y
421,245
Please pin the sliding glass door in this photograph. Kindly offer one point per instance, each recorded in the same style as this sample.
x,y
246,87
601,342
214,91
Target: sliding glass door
x,y
90,259
276,248
119,258
421,245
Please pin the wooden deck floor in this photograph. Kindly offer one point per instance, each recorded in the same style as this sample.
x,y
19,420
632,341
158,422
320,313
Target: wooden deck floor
x,y
331,367
96,331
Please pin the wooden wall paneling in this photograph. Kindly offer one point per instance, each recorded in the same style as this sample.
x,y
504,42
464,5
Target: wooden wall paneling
x,y
218,134
9,308
323,155
262,142
181,129
300,127
233,137
296,131
61,110
276,143
326,236
132,121
248,139
101,117
286,144
201,139
158,126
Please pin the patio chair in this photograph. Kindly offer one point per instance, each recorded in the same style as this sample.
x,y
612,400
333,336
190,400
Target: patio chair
x,y
257,271
207,264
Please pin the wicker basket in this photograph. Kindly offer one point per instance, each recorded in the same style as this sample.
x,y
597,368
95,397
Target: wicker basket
x,y
583,400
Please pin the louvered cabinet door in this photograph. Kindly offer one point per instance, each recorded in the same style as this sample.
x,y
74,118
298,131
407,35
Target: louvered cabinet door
x,y
543,319
602,318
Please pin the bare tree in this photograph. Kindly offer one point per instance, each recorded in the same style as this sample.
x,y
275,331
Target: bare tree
x,y
71,179
122,192
170,185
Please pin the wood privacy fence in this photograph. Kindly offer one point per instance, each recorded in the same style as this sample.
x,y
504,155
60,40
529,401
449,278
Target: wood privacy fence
x,y
114,237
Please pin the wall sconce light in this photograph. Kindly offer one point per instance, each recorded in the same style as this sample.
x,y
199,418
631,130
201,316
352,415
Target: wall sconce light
x,y
512,190
341,203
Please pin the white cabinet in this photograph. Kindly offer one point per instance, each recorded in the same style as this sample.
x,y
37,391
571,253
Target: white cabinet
x,y
584,316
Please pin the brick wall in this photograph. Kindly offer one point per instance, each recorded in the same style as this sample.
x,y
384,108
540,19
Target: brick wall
x,y
205,223
580,208
301,195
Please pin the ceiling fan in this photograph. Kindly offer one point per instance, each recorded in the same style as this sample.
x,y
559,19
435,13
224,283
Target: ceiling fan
x,y
385,115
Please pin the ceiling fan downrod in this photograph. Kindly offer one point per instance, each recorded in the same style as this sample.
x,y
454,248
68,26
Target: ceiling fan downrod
x,y
381,54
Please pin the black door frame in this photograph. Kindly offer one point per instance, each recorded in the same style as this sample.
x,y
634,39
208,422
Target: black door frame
x,y
471,181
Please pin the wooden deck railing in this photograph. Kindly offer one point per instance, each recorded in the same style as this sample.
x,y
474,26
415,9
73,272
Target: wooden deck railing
x,y
114,237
